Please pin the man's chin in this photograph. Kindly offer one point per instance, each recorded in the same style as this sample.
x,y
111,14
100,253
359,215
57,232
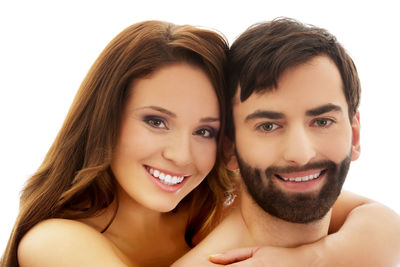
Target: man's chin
x,y
294,201
300,207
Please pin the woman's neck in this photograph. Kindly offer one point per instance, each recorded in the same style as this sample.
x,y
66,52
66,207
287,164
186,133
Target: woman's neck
x,y
142,235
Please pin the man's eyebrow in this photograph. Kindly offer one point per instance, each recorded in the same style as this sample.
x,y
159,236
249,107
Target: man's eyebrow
x,y
266,114
323,109
159,109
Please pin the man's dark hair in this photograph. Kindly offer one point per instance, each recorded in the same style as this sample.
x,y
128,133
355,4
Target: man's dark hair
x,y
258,58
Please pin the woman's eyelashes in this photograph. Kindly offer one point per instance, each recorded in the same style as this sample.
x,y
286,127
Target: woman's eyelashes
x,y
206,132
156,122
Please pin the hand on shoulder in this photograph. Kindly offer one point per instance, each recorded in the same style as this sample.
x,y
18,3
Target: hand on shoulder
x,y
62,242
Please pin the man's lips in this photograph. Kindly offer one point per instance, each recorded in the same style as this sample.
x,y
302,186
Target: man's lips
x,y
299,177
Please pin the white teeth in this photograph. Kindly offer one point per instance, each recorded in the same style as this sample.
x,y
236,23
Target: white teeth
x,y
302,179
165,178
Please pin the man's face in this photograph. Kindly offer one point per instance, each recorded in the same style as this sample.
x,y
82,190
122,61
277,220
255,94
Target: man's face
x,y
294,144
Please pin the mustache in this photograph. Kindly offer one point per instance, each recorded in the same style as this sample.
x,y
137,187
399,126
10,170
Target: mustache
x,y
323,164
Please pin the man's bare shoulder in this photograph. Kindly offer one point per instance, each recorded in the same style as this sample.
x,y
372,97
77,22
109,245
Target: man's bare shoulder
x,y
62,242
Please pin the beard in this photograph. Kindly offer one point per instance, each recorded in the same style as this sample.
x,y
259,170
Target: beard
x,y
295,207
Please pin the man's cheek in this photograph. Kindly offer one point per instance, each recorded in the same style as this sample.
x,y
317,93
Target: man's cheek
x,y
336,149
258,157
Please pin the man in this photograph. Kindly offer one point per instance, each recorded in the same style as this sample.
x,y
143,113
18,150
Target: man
x,y
295,117
295,125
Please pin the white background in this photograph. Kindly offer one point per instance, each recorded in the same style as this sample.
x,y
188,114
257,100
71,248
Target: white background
x,y
46,48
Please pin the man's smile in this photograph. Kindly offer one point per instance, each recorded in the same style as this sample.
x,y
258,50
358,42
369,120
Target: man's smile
x,y
300,176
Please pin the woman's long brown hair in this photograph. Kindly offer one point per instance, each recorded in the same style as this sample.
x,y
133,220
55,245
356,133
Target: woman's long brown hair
x,y
75,180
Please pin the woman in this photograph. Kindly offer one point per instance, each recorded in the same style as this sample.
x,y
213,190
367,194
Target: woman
x,y
122,183
149,107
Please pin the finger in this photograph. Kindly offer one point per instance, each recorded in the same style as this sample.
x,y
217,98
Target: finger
x,y
232,256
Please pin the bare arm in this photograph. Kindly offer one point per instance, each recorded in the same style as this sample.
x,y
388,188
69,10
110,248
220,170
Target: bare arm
x,y
364,233
342,208
370,236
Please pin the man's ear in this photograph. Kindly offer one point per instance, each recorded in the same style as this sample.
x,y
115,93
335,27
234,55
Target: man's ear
x,y
232,164
229,155
355,128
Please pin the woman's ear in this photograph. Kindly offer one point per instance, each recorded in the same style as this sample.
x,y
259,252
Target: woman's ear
x,y
229,154
355,127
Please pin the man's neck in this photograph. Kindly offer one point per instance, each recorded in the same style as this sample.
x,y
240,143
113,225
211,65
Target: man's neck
x,y
265,229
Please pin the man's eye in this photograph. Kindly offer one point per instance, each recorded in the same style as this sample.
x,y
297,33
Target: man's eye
x,y
323,122
268,127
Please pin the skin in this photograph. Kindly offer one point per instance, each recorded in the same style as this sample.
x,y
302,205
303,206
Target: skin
x,y
142,232
288,132
164,126
296,139
351,246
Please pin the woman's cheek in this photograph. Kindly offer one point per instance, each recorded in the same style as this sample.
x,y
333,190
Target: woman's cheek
x,y
205,157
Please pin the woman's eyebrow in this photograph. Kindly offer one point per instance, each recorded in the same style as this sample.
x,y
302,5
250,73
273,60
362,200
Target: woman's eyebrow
x,y
159,109
171,114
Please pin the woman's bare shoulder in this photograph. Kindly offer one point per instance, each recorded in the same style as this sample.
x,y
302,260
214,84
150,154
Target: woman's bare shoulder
x,y
62,242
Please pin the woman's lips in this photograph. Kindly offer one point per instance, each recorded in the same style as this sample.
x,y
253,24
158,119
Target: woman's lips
x,y
166,177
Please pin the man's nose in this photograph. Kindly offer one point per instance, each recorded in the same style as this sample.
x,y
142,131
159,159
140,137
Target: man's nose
x,y
298,149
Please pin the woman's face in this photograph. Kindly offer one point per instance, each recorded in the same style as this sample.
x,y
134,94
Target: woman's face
x,y
167,142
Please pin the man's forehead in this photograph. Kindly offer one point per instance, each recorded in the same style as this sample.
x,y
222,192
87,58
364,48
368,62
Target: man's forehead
x,y
316,63
266,100
318,77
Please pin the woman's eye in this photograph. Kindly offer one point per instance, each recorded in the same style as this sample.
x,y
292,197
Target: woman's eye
x,y
323,122
207,133
155,122
268,127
